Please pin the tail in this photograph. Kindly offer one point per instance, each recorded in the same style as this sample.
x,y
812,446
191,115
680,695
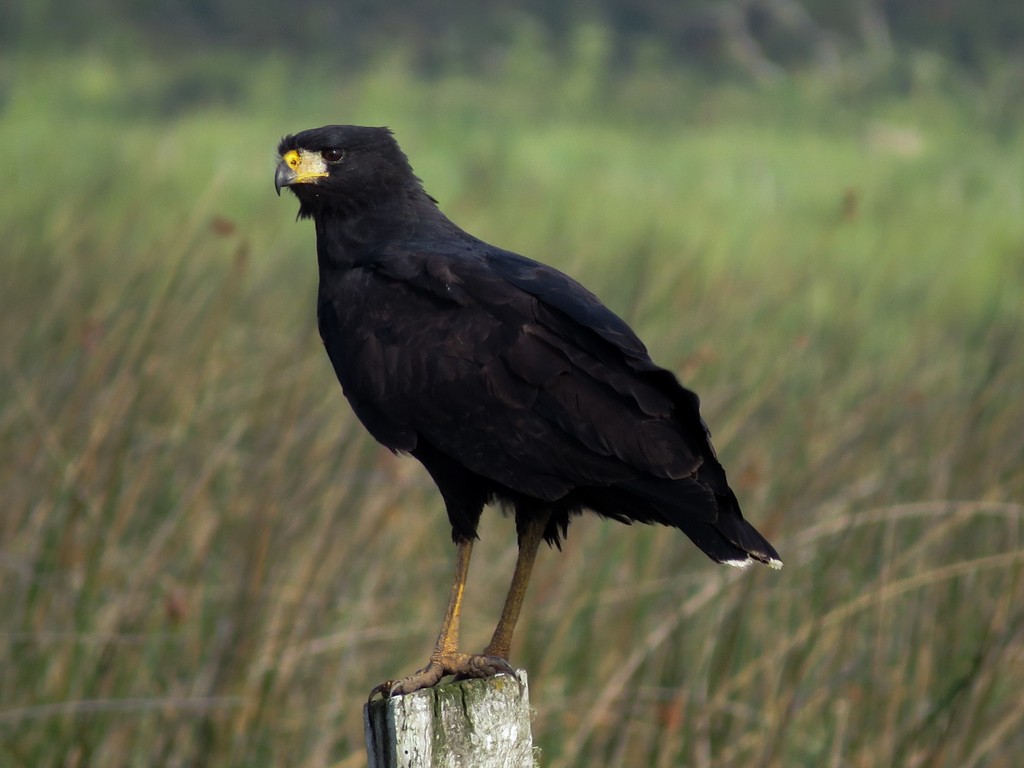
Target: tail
x,y
702,507
716,525
729,539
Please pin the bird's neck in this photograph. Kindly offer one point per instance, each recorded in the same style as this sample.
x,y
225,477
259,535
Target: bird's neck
x,y
343,236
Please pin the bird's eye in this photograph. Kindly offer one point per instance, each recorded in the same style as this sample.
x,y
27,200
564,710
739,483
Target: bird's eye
x,y
332,155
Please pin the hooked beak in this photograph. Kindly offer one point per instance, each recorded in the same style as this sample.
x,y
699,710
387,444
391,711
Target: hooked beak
x,y
283,177
299,167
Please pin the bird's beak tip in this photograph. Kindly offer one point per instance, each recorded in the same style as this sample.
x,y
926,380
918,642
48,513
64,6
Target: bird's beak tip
x,y
283,176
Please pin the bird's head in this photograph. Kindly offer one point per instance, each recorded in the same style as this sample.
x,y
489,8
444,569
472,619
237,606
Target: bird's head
x,y
342,167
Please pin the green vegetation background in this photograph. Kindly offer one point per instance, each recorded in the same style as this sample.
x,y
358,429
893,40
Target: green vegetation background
x,y
205,561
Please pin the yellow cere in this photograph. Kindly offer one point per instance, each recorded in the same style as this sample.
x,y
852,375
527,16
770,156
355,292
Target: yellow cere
x,y
306,165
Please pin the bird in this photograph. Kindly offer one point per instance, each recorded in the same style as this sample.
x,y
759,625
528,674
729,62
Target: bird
x,y
510,382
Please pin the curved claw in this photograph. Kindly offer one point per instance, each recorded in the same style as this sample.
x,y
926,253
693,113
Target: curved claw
x,y
384,689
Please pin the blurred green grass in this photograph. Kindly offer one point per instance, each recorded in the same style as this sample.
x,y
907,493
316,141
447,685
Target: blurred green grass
x,y
205,561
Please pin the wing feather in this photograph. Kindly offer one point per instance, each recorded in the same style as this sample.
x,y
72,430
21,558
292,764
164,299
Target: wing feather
x,y
507,366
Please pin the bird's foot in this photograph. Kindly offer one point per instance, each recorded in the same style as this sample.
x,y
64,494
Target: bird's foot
x,y
462,665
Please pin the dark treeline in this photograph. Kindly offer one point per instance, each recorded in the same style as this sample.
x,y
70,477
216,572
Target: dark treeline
x,y
761,38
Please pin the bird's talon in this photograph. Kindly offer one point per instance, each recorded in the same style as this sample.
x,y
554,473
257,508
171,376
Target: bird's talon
x,y
462,666
384,689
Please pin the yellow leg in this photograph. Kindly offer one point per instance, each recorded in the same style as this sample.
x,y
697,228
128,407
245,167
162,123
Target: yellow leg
x,y
448,638
446,658
529,541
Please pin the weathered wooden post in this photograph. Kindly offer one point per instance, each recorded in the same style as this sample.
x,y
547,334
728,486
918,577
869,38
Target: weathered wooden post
x,y
469,724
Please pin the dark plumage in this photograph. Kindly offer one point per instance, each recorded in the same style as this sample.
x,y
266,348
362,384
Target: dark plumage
x,y
507,379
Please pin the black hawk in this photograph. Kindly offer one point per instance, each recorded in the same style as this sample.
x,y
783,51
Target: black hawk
x,y
509,381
